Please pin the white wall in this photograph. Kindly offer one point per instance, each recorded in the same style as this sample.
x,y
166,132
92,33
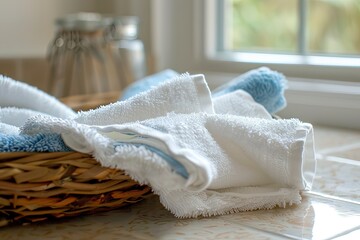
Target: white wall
x,y
173,31
27,26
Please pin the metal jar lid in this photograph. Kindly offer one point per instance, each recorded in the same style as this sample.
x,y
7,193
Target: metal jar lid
x,y
82,21
125,27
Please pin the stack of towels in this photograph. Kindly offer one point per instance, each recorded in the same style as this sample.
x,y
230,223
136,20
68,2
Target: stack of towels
x,y
204,153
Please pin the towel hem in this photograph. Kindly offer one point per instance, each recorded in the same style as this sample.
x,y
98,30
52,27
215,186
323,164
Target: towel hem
x,y
204,94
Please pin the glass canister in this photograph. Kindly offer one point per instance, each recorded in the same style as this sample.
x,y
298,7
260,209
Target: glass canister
x,y
80,57
130,49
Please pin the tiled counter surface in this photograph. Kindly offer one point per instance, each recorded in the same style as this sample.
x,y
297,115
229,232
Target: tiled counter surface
x,y
330,211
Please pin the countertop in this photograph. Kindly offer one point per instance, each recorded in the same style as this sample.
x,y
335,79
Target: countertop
x,y
330,211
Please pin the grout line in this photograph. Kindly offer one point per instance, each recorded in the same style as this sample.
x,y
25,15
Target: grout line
x,y
323,195
283,236
344,148
342,160
322,157
344,233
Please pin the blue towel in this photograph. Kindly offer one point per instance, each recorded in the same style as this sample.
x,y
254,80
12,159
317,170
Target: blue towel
x,y
264,85
32,143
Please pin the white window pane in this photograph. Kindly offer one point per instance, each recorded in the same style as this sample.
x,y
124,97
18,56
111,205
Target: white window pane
x,y
261,25
334,26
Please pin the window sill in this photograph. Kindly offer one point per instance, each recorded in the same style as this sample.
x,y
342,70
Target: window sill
x,y
326,103
319,102
287,59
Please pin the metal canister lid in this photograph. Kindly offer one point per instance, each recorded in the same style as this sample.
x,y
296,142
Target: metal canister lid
x,y
125,27
83,21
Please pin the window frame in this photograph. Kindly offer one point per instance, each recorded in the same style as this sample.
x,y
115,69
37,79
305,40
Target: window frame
x,y
299,66
182,38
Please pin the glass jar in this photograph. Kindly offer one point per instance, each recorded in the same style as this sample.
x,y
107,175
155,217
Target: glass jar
x,y
129,49
80,57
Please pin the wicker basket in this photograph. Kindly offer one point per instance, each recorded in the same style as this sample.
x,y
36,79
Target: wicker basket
x,y
39,186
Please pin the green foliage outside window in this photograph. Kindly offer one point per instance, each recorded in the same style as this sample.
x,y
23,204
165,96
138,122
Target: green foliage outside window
x,y
332,26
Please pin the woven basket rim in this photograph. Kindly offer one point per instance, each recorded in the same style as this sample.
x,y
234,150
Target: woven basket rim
x,y
39,186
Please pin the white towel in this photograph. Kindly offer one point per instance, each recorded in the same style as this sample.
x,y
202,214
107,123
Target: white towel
x,y
13,118
199,162
239,103
21,95
180,96
8,129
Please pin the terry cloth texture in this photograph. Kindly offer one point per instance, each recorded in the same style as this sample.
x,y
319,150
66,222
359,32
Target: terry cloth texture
x,y
21,95
35,143
200,162
19,102
147,83
264,85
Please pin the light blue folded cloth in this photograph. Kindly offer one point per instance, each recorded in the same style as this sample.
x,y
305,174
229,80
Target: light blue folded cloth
x,y
148,83
264,85
42,142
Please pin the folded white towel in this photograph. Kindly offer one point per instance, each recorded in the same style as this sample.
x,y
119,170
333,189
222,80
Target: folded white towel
x,y
8,129
21,95
17,116
199,162
185,94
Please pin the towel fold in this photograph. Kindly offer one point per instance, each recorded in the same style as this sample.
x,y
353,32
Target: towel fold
x,y
199,161
19,102
239,103
12,119
184,94
8,129
264,85
21,95
16,117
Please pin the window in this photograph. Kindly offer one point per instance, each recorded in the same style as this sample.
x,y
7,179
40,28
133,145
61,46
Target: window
x,y
305,27
312,36
324,86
